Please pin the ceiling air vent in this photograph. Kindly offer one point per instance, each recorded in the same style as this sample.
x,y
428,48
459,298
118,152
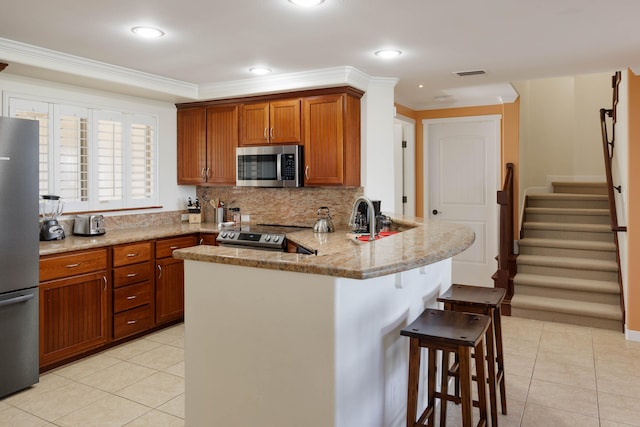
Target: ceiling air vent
x,y
470,73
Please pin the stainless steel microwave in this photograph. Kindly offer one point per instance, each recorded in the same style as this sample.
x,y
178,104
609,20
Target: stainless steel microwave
x,y
269,166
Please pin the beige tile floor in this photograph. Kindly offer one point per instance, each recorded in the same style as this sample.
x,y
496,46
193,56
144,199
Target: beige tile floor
x,y
557,375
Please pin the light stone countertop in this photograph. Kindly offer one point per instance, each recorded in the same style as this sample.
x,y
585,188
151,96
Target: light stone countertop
x,y
425,242
338,255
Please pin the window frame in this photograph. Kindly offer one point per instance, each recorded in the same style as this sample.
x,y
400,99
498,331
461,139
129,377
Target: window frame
x,y
56,108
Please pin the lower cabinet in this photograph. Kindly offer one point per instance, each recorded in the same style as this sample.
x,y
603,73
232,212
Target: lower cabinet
x,y
170,278
74,310
91,298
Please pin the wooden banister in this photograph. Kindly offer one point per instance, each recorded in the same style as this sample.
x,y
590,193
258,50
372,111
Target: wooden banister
x,y
607,148
506,258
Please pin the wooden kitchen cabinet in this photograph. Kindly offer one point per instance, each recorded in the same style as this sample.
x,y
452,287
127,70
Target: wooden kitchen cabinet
x,y
74,310
169,289
273,122
331,136
208,239
133,302
207,141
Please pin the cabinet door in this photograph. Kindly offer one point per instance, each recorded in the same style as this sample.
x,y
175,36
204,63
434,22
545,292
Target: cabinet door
x,y
222,140
192,145
73,316
284,121
254,124
323,118
169,289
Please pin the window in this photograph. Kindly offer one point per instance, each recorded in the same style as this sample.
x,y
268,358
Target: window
x,y
94,159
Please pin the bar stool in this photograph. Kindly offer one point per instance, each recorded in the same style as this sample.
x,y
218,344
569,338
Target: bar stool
x,y
454,332
487,301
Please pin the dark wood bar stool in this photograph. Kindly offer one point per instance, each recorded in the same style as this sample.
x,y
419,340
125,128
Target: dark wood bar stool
x,y
487,301
453,332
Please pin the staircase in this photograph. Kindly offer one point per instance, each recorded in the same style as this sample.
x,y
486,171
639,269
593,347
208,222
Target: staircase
x,y
567,269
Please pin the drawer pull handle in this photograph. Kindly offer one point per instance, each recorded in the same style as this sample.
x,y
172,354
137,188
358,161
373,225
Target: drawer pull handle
x,y
132,255
73,265
174,247
132,297
131,322
130,275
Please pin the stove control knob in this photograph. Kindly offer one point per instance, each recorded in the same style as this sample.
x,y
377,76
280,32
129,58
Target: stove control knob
x,y
232,235
224,234
267,237
275,239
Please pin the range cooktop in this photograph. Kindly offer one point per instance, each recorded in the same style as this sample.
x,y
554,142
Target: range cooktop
x,y
261,236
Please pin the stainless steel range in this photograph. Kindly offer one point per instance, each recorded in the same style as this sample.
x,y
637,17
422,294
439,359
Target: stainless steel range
x,y
263,236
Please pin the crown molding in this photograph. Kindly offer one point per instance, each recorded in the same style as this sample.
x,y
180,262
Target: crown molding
x,y
26,54
312,79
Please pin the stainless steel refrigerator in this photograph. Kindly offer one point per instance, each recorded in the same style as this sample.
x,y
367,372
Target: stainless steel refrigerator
x,y
19,254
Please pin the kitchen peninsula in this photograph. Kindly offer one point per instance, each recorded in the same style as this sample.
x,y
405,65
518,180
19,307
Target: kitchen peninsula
x,y
285,339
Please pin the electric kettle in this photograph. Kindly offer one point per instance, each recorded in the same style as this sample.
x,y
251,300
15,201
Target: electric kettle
x,y
323,223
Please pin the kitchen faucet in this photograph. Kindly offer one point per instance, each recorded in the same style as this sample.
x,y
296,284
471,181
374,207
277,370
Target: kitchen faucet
x,y
371,212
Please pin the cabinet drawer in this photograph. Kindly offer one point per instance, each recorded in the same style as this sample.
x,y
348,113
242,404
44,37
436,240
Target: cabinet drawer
x,y
131,296
132,321
58,266
164,248
131,254
130,274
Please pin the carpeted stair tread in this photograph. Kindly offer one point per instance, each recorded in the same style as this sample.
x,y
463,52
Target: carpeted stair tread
x,y
567,283
566,262
600,228
568,196
579,308
568,244
568,211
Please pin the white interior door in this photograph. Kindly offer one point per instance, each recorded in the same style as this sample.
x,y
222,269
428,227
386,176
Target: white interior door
x,y
405,155
462,180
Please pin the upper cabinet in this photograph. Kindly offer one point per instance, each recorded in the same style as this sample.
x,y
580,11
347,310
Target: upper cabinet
x,y
331,137
326,122
275,122
207,141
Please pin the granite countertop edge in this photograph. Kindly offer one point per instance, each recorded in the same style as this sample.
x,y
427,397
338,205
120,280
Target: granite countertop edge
x,y
422,242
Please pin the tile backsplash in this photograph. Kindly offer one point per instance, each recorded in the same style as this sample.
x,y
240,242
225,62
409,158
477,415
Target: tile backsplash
x,y
284,206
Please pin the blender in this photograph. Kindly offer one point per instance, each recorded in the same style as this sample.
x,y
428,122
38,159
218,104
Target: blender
x,y
50,210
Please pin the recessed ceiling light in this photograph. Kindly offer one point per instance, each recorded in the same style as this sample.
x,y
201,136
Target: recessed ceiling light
x,y
260,71
307,3
388,53
421,86
147,32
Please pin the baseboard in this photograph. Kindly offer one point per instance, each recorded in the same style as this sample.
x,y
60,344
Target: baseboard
x,y
632,335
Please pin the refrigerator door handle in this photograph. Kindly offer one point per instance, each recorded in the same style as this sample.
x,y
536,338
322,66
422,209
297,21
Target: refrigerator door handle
x,y
16,300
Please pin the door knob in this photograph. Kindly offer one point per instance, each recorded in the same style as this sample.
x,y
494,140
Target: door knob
x,y
435,212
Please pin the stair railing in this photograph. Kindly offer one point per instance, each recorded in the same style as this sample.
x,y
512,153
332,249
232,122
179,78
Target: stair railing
x,y
503,278
607,147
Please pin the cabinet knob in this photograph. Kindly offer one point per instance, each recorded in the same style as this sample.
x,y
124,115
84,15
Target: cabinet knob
x,y
306,172
271,134
72,265
130,297
132,322
130,275
132,255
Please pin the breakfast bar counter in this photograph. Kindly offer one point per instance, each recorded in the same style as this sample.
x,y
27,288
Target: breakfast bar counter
x,y
283,339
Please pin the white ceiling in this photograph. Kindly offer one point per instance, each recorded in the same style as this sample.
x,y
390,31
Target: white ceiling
x,y
210,43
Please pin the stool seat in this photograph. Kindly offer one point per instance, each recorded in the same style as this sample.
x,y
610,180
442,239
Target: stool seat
x,y
450,332
473,295
448,327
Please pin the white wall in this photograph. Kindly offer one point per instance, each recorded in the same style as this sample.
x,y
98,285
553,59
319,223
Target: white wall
x,y
560,128
377,151
171,196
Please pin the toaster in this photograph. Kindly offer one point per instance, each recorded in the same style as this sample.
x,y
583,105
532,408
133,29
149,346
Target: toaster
x,y
89,225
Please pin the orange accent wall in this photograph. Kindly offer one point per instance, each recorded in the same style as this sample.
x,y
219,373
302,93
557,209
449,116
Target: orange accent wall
x,y
633,205
509,147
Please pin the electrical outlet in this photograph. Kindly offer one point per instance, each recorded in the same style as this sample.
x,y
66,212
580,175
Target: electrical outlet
x,y
184,217
245,218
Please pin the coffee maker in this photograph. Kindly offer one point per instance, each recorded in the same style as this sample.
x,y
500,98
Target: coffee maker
x,y
50,210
